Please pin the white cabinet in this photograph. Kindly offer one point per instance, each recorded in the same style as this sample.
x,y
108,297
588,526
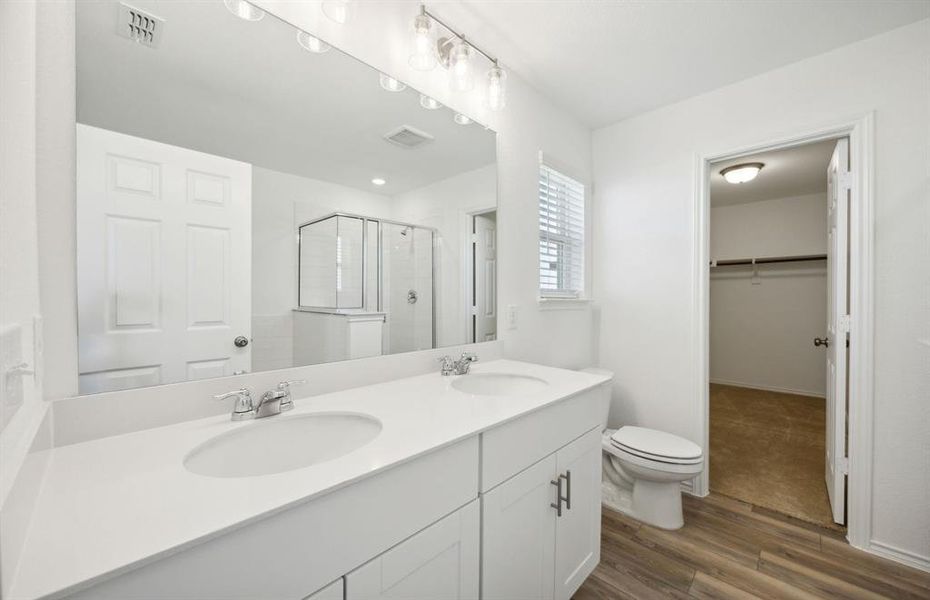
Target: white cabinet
x,y
439,563
529,550
334,591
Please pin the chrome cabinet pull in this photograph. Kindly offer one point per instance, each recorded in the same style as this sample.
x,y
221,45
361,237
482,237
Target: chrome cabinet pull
x,y
558,504
568,488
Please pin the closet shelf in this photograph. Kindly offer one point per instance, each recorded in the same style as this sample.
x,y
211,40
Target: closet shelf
x,y
767,260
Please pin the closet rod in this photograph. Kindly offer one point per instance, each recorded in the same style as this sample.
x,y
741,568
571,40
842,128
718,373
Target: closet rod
x,y
767,260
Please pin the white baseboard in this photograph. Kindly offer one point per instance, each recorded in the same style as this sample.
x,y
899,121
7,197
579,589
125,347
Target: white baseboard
x,y
767,388
904,557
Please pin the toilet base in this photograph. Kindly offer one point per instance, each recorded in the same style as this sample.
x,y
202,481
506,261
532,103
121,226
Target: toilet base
x,y
658,503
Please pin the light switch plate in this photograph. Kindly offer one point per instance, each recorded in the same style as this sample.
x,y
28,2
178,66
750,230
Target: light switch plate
x,y
512,314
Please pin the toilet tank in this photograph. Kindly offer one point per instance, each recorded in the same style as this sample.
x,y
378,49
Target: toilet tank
x,y
604,390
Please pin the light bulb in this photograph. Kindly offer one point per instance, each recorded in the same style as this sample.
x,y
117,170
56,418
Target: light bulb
x,y
461,78
429,103
497,90
378,181
339,11
311,43
461,119
390,84
244,10
422,53
741,173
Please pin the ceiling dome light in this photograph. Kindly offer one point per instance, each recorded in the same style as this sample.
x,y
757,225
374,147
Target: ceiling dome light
x,y
497,90
461,119
378,181
244,10
423,52
461,79
339,11
429,103
741,173
311,43
391,84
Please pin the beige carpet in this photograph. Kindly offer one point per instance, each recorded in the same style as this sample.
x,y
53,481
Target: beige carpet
x,y
767,448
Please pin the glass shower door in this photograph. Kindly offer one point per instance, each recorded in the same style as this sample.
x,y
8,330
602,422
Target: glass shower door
x,y
407,287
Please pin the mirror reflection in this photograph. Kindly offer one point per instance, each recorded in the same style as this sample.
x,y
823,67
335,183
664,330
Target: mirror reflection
x,y
250,198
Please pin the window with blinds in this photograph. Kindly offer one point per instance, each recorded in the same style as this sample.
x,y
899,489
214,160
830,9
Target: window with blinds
x,y
561,235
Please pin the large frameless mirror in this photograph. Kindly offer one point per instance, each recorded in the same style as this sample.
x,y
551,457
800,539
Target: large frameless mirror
x,y
250,198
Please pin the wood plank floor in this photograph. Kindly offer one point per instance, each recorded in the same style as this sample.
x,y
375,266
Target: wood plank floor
x,y
731,549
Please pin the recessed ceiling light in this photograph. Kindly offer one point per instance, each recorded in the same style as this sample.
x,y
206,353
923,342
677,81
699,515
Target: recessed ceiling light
x,y
378,181
339,11
312,43
391,84
742,173
429,103
244,10
461,119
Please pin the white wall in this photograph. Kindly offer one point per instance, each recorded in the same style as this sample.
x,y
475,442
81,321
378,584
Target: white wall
x,y
445,205
761,330
644,235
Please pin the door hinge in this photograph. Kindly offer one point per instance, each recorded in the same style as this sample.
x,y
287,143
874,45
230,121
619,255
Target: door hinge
x,y
844,323
845,179
843,465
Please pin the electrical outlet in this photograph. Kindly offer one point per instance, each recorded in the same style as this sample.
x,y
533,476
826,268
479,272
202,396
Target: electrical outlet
x,y
512,313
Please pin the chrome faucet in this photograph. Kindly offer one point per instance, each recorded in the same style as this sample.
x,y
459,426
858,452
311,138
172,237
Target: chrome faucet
x,y
271,403
449,366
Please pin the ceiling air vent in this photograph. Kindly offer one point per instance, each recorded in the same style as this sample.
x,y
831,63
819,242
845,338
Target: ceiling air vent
x,y
406,136
139,26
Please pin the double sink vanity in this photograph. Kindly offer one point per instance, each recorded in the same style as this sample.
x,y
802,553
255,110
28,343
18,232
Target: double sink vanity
x,y
464,486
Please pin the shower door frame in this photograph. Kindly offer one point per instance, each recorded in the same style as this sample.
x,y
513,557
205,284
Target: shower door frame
x,y
365,266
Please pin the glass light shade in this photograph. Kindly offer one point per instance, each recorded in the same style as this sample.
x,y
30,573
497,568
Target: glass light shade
x,y
378,181
422,52
741,173
339,11
429,103
461,77
390,84
461,119
312,43
497,88
244,10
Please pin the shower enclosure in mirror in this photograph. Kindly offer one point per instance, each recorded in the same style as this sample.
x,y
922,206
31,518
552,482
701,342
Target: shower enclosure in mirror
x,y
353,272
247,201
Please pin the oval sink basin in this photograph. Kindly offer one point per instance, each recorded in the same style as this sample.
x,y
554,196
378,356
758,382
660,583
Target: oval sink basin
x,y
282,444
498,384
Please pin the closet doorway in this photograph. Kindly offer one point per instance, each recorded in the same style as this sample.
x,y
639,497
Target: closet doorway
x,y
778,281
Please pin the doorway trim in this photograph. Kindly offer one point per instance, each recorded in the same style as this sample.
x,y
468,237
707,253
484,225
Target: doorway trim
x,y
466,217
860,131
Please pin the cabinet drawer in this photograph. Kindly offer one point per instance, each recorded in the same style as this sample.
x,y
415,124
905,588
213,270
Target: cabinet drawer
x,y
514,446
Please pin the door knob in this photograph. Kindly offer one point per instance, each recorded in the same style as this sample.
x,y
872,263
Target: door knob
x,y
825,342
241,341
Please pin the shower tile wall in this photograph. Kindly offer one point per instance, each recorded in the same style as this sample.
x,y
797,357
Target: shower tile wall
x,y
407,266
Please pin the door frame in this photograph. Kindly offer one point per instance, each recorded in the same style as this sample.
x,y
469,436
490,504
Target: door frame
x,y
466,216
860,131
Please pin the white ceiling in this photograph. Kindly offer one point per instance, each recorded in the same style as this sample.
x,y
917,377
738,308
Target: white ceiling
x,y
607,60
246,90
797,171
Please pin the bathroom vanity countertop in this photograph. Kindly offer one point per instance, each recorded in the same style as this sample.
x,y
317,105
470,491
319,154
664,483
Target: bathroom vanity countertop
x,y
113,503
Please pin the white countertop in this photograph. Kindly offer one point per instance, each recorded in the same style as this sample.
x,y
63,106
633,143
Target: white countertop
x,y
113,503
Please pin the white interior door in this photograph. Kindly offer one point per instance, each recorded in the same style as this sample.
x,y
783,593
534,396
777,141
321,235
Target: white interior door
x,y
164,262
838,185
484,294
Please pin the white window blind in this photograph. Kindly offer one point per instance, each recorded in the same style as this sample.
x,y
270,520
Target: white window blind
x,y
561,235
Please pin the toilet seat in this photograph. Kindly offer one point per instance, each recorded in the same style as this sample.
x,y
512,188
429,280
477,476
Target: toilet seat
x,y
658,446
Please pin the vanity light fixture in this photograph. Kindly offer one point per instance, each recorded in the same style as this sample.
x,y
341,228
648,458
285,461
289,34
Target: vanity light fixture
x,y
244,10
742,173
429,103
461,119
311,43
378,181
461,78
423,52
390,84
497,90
339,11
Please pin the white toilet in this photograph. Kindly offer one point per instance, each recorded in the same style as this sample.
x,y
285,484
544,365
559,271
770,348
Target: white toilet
x,y
643,470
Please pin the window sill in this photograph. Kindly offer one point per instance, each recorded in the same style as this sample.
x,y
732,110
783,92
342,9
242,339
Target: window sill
x,y
546,303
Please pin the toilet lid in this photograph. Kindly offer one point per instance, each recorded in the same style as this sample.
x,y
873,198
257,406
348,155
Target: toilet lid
x,y
659,444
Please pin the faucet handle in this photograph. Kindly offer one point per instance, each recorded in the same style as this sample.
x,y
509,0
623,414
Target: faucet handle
x,y
244,407
447,364
284,385
284,388
469,356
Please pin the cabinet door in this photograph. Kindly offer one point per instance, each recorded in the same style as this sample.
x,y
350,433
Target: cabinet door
x,y
578,530
439,563
334,591
518,535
